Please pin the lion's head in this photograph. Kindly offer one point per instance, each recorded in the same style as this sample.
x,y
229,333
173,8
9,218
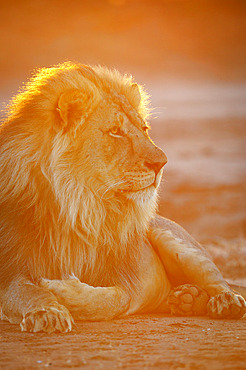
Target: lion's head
x,y
81,154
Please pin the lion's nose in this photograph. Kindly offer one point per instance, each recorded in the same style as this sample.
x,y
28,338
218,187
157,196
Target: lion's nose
x,y
156,166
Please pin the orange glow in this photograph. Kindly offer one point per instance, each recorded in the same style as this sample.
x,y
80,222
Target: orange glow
x,y
73,233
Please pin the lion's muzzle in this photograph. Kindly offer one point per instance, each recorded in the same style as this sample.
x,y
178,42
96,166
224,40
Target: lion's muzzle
x,y
155,160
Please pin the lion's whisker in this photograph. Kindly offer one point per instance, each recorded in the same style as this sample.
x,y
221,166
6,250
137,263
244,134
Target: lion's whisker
x,y
112,185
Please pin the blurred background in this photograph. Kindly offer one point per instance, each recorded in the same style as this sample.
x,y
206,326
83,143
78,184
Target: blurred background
x,y
191,57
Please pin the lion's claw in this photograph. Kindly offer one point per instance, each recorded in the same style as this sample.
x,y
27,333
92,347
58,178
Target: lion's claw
x,y
226,305
188,300
48,319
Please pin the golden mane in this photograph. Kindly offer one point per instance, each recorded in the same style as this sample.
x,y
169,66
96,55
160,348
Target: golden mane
x,y
64,221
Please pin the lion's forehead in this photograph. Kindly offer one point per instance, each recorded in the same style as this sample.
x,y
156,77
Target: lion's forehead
x,y
115,112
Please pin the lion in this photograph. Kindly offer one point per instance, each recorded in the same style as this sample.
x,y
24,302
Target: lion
x,y
79,235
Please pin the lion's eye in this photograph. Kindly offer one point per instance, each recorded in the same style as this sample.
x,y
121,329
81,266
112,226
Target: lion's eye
x,y
116,132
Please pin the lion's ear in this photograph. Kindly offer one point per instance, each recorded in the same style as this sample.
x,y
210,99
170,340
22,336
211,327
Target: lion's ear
x,y
73,106
136,93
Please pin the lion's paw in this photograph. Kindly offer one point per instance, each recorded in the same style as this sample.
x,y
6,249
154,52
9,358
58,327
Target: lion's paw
x,y
48,319
188,300
226,305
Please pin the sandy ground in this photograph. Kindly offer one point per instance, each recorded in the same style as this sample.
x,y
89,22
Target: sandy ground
x,y
204,182
139,342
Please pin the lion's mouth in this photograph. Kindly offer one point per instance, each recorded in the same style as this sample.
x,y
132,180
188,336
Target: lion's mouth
x,y
153,185
142,186
128,191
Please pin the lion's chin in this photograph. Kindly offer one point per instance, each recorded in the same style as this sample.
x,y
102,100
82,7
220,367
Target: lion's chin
x,y
144,194
136,191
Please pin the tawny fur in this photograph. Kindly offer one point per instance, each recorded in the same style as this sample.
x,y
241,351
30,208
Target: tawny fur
x,y
47,214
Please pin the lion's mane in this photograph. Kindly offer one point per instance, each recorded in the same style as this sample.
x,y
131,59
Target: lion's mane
x,y
51,225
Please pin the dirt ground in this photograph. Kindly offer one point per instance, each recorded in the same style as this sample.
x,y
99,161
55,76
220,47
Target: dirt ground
x,y
138,342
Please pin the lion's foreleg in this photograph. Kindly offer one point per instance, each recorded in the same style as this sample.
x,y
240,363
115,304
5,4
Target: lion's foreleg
x,y
34,308
184,257
181,255
86,302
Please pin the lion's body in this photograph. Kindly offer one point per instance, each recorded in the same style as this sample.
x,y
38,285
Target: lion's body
x,y
78,183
